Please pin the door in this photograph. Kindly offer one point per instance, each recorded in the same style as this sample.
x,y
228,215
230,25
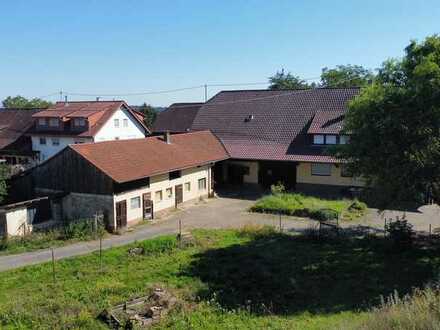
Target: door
x,y
148,209
178,192
121,214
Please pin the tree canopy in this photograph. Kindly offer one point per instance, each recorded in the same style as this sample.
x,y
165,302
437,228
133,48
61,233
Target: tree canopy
x,y
282,80
346,76
394,126
150,114
20,102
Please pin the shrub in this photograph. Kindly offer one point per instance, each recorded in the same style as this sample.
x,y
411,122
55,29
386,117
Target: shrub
x,y
324,214
4,243
278,188
357,206
400,232
159,245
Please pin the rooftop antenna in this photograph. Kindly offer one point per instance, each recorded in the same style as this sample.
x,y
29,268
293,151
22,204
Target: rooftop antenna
x,y
97,99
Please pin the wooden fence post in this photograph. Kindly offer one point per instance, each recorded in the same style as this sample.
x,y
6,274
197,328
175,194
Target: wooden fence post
x,y
53,266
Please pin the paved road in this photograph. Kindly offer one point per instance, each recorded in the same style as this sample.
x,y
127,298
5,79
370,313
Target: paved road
x,y
216,213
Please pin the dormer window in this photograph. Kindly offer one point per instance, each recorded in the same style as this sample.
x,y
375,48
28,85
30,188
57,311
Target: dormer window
x,y
53,122
41,121
330,139
79,122
318,139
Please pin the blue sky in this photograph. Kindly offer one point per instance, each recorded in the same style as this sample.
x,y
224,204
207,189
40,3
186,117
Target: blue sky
x,y
113,47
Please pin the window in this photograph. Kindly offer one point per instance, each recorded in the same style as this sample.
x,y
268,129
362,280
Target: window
x,y
318,139
345,172
158,196
42,121
343,139
78,141
79,122
330,139
42,140
169,192
135,203
125,122
55,141
188,186
175,175
116,121
322,169
53,122
202,184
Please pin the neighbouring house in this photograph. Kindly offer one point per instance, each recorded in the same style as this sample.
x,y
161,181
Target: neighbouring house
x,y
126,180
15,145
280,136
76,122
177,118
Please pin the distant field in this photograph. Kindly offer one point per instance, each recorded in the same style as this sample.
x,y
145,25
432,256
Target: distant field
x,y
230,279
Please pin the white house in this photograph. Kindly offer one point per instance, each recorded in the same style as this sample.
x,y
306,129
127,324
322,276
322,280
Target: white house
x,y
68,123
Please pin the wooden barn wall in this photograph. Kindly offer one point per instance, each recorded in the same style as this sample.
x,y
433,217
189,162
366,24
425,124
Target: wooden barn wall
x,y
69,172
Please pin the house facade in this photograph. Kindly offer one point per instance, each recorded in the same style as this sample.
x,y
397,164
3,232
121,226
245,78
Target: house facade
x,y
126,180
68,123
281,136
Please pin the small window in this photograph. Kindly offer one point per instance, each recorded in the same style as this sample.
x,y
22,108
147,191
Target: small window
x,y
55,141
188,186
175,175
343,139
318,139
53,122
202,184
42,121
158,196
116,121
125,122
321,169
330,139
169,192
42,140
79,122
135,203
345,171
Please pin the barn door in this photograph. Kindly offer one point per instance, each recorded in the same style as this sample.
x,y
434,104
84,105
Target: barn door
x,y
148,208
178,192
121,214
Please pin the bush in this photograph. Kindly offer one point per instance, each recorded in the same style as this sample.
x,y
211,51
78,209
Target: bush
x,y
4,243
82,230
357,206
159,245
324,214
278,188
400,232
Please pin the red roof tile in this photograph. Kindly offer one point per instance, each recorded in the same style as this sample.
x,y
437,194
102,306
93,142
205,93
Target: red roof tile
x,y
327,122
177,118
127,160
13,124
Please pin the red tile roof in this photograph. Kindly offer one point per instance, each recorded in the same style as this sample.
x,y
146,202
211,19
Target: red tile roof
x,y
13,124
327,122
177,118
127,160
97,113
271,125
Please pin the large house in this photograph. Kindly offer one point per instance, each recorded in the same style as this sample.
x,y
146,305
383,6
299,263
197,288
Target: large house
x,y
81,122
15,145
274,136
126,180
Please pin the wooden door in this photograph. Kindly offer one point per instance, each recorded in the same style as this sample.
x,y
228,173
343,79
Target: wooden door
x,y
121,214
148,207
178,192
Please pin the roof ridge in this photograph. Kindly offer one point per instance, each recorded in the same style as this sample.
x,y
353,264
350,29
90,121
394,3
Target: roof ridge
x,y
287,90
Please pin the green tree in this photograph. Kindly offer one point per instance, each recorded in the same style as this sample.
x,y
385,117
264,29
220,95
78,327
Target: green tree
x,y
20,102
150,114
283,80
394,127
3,187
346,76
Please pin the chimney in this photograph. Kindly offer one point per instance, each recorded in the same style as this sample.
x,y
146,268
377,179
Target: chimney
x,y
167,137
97,99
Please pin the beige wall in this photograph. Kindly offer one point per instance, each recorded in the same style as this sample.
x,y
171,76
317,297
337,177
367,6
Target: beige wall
x,y
304,175
161,183
252,177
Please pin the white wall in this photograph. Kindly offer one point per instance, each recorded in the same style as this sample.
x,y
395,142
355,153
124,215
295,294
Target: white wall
x,y
161,182
16,221
48,150
109,132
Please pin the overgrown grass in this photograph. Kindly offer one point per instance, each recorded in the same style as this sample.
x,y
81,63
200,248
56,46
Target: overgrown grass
x,y
251,278
308,206
80,230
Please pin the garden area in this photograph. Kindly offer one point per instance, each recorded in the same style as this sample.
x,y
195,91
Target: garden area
x,y
250,278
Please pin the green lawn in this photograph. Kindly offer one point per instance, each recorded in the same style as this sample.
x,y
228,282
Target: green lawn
x,y
308,206
246,279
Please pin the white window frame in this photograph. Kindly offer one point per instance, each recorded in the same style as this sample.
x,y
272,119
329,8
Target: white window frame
x,y
43,141
318,139
156,194
55,141
116,122
135,203
187,186
202,180
125,122
42,122
54,122
332,137
321,169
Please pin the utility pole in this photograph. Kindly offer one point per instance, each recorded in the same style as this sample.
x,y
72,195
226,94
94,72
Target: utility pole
x,y
206,92
61,95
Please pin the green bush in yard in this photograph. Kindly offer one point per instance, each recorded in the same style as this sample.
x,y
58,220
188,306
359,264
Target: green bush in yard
x,y
324,214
